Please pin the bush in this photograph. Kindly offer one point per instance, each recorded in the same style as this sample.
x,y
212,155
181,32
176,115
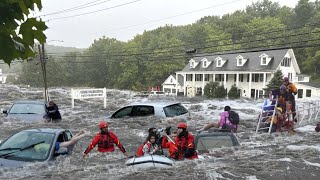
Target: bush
x,y
234,93
210,88
220,92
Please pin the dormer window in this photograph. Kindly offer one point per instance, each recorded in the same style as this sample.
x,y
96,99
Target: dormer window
x,y
264,59
241,61
193,63
220,61
204,63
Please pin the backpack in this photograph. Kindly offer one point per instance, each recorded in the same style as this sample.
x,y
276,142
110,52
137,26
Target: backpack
x,y
234,118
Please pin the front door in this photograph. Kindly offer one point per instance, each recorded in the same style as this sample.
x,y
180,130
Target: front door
x,y
253,92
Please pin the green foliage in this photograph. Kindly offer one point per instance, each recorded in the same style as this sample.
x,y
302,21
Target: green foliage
x,y
210,88
234,93
149,58
275,82
220,92
13,15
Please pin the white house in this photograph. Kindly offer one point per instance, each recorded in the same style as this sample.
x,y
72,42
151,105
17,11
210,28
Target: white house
x,y
170,85
250,72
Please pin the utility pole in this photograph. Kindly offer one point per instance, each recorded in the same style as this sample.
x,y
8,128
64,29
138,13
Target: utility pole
x,y
43,63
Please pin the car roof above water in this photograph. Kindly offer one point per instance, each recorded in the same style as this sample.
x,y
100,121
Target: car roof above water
x,y
46,130
29,102
155,103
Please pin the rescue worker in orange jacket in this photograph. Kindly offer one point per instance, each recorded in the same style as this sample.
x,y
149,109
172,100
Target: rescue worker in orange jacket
x,y
184,143
105,140
169,144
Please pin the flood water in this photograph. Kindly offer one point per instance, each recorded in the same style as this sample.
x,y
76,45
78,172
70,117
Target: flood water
x,y
261,156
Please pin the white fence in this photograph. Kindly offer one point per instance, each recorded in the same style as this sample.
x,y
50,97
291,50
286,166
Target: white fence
x,y
89,93
307,112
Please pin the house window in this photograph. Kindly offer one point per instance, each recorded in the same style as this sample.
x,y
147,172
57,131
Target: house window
x,y
166,90
300,93
192,65
264,60
189,77
219,63
308,93
199,77
257,78
171,80
260,94
248,77
204,63
300,78
240,62
174,91
206,77
241,77
286,62
219,77
235,78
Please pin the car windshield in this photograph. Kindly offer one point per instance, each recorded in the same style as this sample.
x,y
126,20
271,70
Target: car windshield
x,y
27,146
175,110
27,109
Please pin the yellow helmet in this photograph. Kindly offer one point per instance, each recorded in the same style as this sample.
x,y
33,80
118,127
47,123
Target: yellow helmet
x,y
280,109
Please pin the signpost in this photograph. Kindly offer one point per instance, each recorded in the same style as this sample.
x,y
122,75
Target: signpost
x,y
89,93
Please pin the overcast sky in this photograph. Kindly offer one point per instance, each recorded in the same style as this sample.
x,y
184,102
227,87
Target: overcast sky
x,y
123,19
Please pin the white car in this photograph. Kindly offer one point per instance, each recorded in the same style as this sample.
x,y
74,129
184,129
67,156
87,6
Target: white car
x,y
160,109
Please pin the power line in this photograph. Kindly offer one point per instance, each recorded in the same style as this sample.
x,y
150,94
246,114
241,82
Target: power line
x,y
82,14
279,37
90,4
243,35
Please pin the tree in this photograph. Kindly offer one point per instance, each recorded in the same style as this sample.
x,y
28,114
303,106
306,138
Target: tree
x,y
13,16
210,88
234,93
220,92
275,82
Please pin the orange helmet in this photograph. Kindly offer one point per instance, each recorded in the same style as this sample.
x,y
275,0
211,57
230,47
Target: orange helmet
x,y
103,124
182,125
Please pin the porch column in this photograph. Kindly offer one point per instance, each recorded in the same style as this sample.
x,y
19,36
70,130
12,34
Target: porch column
x,y
176,84
237,80
213,77
250,78
264,82
224,80
184,84
202,84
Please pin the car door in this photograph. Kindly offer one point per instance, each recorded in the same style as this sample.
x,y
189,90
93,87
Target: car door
x,y
125,111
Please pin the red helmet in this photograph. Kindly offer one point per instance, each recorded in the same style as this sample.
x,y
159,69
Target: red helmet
x,y
182,125
103,124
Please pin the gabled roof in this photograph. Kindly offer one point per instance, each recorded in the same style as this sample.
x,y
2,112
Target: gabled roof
x,y
253,63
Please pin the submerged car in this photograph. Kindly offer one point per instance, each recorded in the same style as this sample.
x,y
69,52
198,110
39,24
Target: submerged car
x,y
213,139
33,145
152,108
27,111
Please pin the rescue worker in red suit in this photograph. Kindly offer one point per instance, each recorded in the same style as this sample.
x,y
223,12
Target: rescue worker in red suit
x,y
185,143
105,140
170,144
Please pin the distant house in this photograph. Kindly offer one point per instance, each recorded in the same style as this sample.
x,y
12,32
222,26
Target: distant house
x,y
308,89
250,72
170,85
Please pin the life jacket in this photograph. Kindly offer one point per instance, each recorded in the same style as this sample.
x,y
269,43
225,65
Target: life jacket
x,y
139,151
172,147
105,143
183,143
